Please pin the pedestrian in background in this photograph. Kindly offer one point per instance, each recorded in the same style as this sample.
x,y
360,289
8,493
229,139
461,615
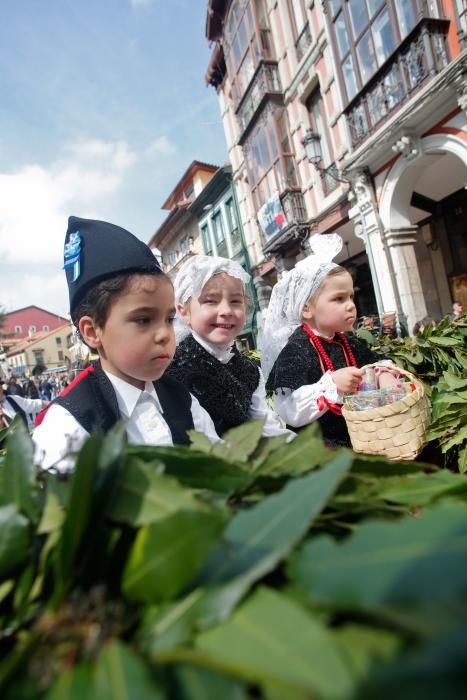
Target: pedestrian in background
x,y
457,310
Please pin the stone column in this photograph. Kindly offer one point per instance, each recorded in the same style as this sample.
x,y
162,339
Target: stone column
x,y
400,244
368,227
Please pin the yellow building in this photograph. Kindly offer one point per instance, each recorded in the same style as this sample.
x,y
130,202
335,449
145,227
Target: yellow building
x,y
48,348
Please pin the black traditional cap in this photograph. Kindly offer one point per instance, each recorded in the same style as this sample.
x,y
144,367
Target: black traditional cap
x,y
97,250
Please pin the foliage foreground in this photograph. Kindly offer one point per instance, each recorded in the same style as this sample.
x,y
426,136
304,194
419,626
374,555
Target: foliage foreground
x,y
252,569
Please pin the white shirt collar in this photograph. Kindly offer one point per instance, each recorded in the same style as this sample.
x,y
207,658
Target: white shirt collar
x,y
222,353
129,395
320,335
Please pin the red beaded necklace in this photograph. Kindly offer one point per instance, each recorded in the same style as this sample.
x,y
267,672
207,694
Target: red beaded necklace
x,y
326,360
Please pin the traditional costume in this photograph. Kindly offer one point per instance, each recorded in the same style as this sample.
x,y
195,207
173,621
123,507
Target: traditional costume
x,y
297,361
227,384
159,414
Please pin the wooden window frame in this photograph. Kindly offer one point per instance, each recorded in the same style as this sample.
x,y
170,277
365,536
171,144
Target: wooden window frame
x,y
354,39
245,11
278,158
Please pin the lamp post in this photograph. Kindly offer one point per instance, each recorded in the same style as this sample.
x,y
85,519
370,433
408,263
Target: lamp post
x,y
312,145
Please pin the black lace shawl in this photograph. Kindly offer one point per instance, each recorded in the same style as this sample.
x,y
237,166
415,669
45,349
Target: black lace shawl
x,y
298,364
224,390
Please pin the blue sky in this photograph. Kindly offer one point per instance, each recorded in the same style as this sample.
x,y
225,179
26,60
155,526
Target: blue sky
x,y
103,106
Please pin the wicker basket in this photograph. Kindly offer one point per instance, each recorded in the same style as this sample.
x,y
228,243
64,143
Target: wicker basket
x,y
396,430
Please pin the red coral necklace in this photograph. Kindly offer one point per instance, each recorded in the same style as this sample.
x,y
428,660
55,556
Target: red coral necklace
x,y
326,361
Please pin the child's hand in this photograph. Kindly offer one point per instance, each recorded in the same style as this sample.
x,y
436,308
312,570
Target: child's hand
x,y
387,379
347,379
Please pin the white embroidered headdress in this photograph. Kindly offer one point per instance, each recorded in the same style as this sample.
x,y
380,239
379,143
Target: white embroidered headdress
x,y
194,274
290,294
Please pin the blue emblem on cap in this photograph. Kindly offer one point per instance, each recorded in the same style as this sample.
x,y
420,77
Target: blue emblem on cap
x,y
72,253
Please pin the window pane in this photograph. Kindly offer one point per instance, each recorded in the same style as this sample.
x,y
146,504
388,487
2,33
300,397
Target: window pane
x,y
264,157
383,36
299,15
358,15
335,6
373,5
366,57
245,74
341,34
266,43
206,239
274,144
317,110
242,38
283,132
349,77
236,53
218,228
405,16
231,215
261,15
290,173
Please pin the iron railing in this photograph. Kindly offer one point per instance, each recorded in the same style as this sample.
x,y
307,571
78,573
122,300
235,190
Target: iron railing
x,y
265,82
422,57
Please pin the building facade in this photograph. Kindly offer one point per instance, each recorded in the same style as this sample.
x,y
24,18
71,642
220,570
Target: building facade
x,y
178,236
219,223
208,223
30,319
380,87
50,349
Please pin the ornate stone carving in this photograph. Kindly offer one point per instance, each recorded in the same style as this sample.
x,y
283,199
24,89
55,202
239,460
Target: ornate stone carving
x,y
361,194
408,146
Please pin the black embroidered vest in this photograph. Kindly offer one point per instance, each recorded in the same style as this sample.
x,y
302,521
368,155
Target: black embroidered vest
x,y
224,390
298,364
92,401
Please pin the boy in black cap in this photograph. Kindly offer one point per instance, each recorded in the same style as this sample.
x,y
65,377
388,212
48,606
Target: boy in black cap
x,y
123,307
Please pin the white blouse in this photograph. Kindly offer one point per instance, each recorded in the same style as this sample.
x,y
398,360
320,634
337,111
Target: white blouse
x,y
59,435
300,407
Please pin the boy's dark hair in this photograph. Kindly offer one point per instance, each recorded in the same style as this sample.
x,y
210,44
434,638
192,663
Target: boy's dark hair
x,y
98,300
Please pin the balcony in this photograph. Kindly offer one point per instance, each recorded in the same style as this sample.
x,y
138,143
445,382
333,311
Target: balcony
x,y
421,56
265,83
293,206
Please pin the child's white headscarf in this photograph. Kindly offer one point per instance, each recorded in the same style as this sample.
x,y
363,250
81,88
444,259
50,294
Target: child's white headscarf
x,y
194,274
290,294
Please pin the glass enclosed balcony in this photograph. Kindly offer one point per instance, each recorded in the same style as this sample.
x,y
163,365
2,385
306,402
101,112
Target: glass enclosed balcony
x,y
420,57
265,83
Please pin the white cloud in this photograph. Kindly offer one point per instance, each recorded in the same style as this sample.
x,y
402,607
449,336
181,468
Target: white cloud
x,y
34,205
162,146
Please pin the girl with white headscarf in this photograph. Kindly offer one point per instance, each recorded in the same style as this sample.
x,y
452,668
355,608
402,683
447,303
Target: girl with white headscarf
x,y
308,361
211,306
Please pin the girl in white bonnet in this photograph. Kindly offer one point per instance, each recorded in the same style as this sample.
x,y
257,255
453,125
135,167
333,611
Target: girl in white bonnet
x,y
211,303
308,361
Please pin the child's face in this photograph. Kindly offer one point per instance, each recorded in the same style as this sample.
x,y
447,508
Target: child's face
x,y
332,309
218,314
137,342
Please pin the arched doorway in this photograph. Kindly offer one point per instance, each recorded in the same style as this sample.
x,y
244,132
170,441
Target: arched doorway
x,y
427,196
